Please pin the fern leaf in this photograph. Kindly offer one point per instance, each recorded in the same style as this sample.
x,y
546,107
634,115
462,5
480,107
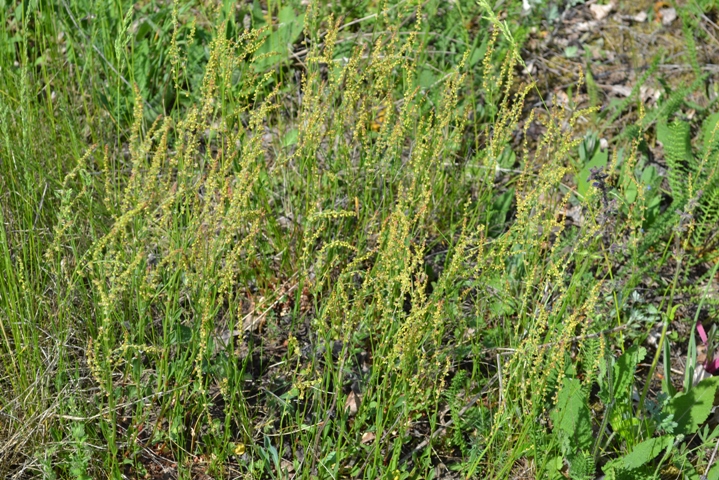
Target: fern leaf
x,y
688,29
678,154
661,226
672,103
709,211
635,90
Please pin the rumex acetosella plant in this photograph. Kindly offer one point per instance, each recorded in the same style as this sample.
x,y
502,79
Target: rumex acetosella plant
x,y
306,275
192,234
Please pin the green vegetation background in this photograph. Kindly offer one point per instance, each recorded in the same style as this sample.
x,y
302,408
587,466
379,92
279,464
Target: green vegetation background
x,y
302,240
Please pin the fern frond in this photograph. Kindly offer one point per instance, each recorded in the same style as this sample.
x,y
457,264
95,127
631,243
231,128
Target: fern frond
x,y
708,184
710,136
591,351
672,103
581,465
679,158
688,29
708,220
635,90
659,229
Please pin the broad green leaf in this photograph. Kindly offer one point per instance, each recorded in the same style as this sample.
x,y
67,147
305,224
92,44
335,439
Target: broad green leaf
x,y
624,370
571,415
287,15
276,48
622,375
714,472
650,176
617,388
646,451
290,138
598,160
426,78
692,408
500,208
615,470
182,334
507,158
571,51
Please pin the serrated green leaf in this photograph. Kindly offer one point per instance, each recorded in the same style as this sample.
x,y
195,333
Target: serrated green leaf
x,y
692,408
571,415
646,451
581,466
624,370
617,388
676,138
